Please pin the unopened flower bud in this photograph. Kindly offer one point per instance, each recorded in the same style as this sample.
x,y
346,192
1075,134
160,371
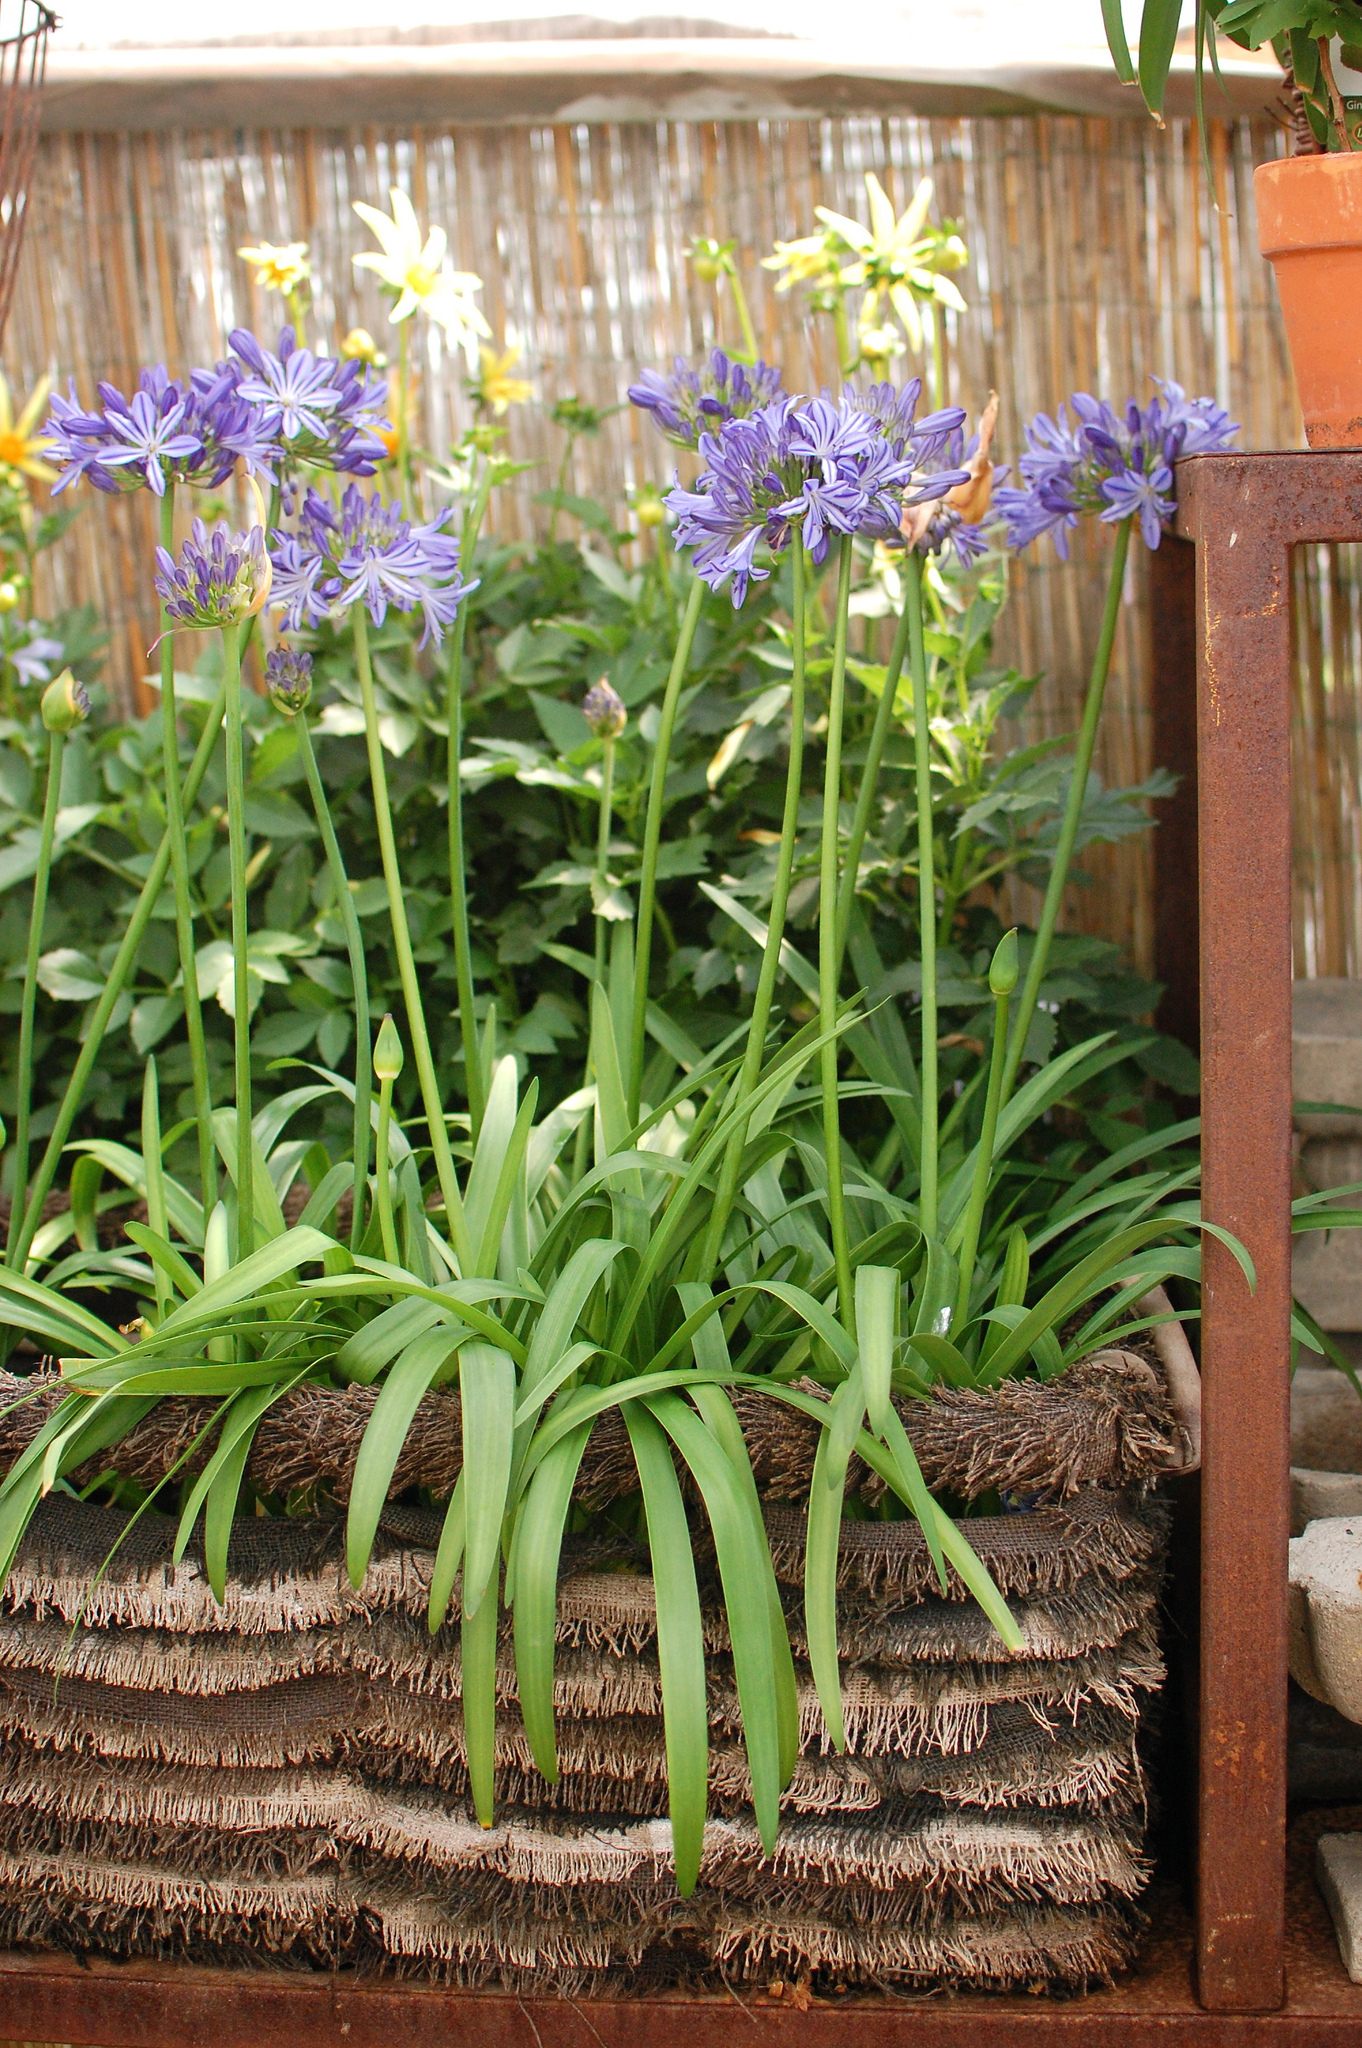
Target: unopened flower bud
x,y
387,1051
9,596
1002,974
359,346
604,711
65,703
649,509
288,678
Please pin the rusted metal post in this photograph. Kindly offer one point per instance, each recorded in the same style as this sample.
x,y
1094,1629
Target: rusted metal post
x,y
1245,514
1172,622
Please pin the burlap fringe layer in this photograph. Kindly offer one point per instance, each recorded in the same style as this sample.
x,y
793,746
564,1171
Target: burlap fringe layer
x,y
284,1777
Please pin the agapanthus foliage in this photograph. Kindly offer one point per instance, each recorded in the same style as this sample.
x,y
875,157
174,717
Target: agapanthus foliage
x,y
1117,466
368,552
830,467
687,403
218,579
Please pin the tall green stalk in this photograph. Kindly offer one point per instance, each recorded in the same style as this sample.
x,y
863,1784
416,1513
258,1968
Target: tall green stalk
x,y
1073,809
56,746
652,836
406,964
354,946
749,332
829,961
179,871
607,807
870,775
113,989
1002,979
241,995
458,880
775,925
926,886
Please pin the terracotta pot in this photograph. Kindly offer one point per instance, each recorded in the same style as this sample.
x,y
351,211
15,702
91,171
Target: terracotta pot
x,y
1310,228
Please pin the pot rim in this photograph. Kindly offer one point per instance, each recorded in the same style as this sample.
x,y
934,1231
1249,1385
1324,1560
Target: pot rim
x,y
1289,224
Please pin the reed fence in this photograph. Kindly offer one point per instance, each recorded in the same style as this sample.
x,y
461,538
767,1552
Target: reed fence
x,y
1101,252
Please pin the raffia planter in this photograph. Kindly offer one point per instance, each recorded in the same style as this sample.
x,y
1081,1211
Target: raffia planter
x,y
283,1778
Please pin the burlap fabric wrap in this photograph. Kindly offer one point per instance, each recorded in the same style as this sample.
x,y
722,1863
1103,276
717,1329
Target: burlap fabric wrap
x,y
283,1778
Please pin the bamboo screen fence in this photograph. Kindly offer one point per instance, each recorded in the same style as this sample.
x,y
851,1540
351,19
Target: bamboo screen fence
x,y
1098,255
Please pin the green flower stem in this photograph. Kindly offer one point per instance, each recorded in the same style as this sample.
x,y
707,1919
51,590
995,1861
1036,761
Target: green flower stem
x,y
652,836
938,326
560,488
1073,810
403,408
879,735
775,928
179,871
406,965
749,333
56,744
241,990
154,1169
828,959
354,946
983,1165
847,356
603,847
922,765
458,881
383,1192
113,989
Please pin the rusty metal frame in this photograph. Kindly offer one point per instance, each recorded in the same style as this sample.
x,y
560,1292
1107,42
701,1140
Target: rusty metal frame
x,y
1222,635
1222,606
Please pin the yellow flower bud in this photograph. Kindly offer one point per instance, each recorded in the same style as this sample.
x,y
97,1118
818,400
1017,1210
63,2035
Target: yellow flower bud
x,y
9,596
359,346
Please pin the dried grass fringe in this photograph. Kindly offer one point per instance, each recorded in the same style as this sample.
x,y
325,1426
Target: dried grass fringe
x,y
1108,1422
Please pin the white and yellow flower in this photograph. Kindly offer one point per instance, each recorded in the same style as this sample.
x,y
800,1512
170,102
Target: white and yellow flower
x,y
901,258
494,386
279,269
20,447
413,266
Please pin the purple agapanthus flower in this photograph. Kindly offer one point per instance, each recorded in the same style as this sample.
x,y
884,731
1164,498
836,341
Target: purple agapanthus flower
x,y
1119,466
368,553
687,403
34,659
827,466
219,579
325,412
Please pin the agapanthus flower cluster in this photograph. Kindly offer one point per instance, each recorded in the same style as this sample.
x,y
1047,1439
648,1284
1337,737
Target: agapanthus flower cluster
x,y
827,467
366,553
219,578
1118,466
256,409
688,403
